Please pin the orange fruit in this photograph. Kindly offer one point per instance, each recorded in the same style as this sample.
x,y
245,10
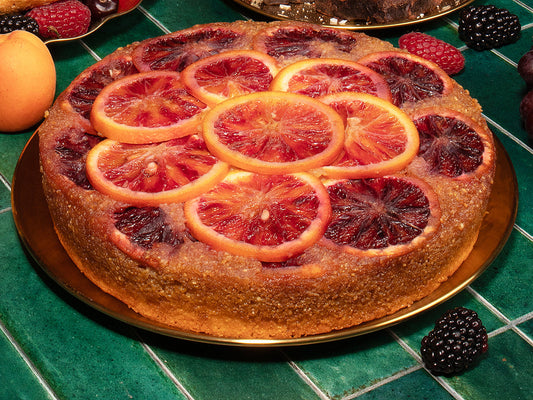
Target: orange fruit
x,y
267,217
145,108
151,174
291,41
381,216
452,144
322,76
177,50
81,93
274,132
229,74
410,78
27,80
379,137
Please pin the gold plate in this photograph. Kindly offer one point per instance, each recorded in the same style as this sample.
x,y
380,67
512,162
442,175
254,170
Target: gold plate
x,y
36,230
93,27
305,11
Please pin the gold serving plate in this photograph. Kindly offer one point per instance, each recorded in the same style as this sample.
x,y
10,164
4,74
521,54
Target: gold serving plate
x,y
305,11
94,27
36,231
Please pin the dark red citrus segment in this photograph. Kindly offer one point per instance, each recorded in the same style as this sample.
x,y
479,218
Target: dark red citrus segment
x,y
72,147
229,74
176,51
410,78
146,107
450,143
380,138
323,76
379,213
274,132
146,226
151,174
84,90
302,40
268,217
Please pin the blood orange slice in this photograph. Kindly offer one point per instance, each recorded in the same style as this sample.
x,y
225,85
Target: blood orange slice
x,y
381,216
292,41
177,50
229,74
379,137
152,174
410,78
267,217
274,132
83,90
319,77
146,107
452,144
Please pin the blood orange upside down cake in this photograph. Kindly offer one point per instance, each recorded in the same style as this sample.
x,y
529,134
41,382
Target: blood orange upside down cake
x,y
266,180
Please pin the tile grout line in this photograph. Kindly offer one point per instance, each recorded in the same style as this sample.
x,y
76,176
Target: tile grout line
x,y
383,382
305,377
90,51
415,355
522,4
509,324
164,368
153,19
523,232
28,362
508,134
513,326
5,182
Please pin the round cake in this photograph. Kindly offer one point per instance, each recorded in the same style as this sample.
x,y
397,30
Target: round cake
x,y
266,180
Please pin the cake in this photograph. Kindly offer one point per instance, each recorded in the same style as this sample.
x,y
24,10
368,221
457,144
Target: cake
x,y
163,261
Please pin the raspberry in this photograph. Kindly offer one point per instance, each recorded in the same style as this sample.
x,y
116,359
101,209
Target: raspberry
x,y
457,340
62,19
441,53
488,27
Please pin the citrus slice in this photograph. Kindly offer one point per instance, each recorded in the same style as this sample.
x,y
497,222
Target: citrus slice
x,y
146,107
83,90
410,78
267,217
151,174
177,50
229,74
385,216
452,144
319,77
274,132
379,137
298,40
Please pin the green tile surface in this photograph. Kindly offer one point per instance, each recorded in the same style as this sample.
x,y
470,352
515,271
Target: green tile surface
x,y
52,346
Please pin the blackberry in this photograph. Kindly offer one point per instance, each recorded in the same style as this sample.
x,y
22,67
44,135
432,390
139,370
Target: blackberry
x,y
14,22
488,27
456,341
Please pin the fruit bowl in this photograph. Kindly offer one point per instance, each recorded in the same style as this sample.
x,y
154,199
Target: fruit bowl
x,y
307,12
97,24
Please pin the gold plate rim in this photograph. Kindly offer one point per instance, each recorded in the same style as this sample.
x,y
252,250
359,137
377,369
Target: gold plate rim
x,y
35,228
314,17
93,27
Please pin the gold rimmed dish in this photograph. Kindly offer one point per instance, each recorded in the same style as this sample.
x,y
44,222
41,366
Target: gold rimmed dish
x,y
304,11
94,26
36,231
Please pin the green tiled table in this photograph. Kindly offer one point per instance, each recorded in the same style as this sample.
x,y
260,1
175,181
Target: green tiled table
x,y
52,346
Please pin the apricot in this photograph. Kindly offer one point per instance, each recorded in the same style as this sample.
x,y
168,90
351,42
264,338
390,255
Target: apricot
x,y
27,80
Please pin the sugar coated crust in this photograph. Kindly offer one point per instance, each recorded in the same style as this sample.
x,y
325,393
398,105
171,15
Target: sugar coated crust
x,y
190,286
